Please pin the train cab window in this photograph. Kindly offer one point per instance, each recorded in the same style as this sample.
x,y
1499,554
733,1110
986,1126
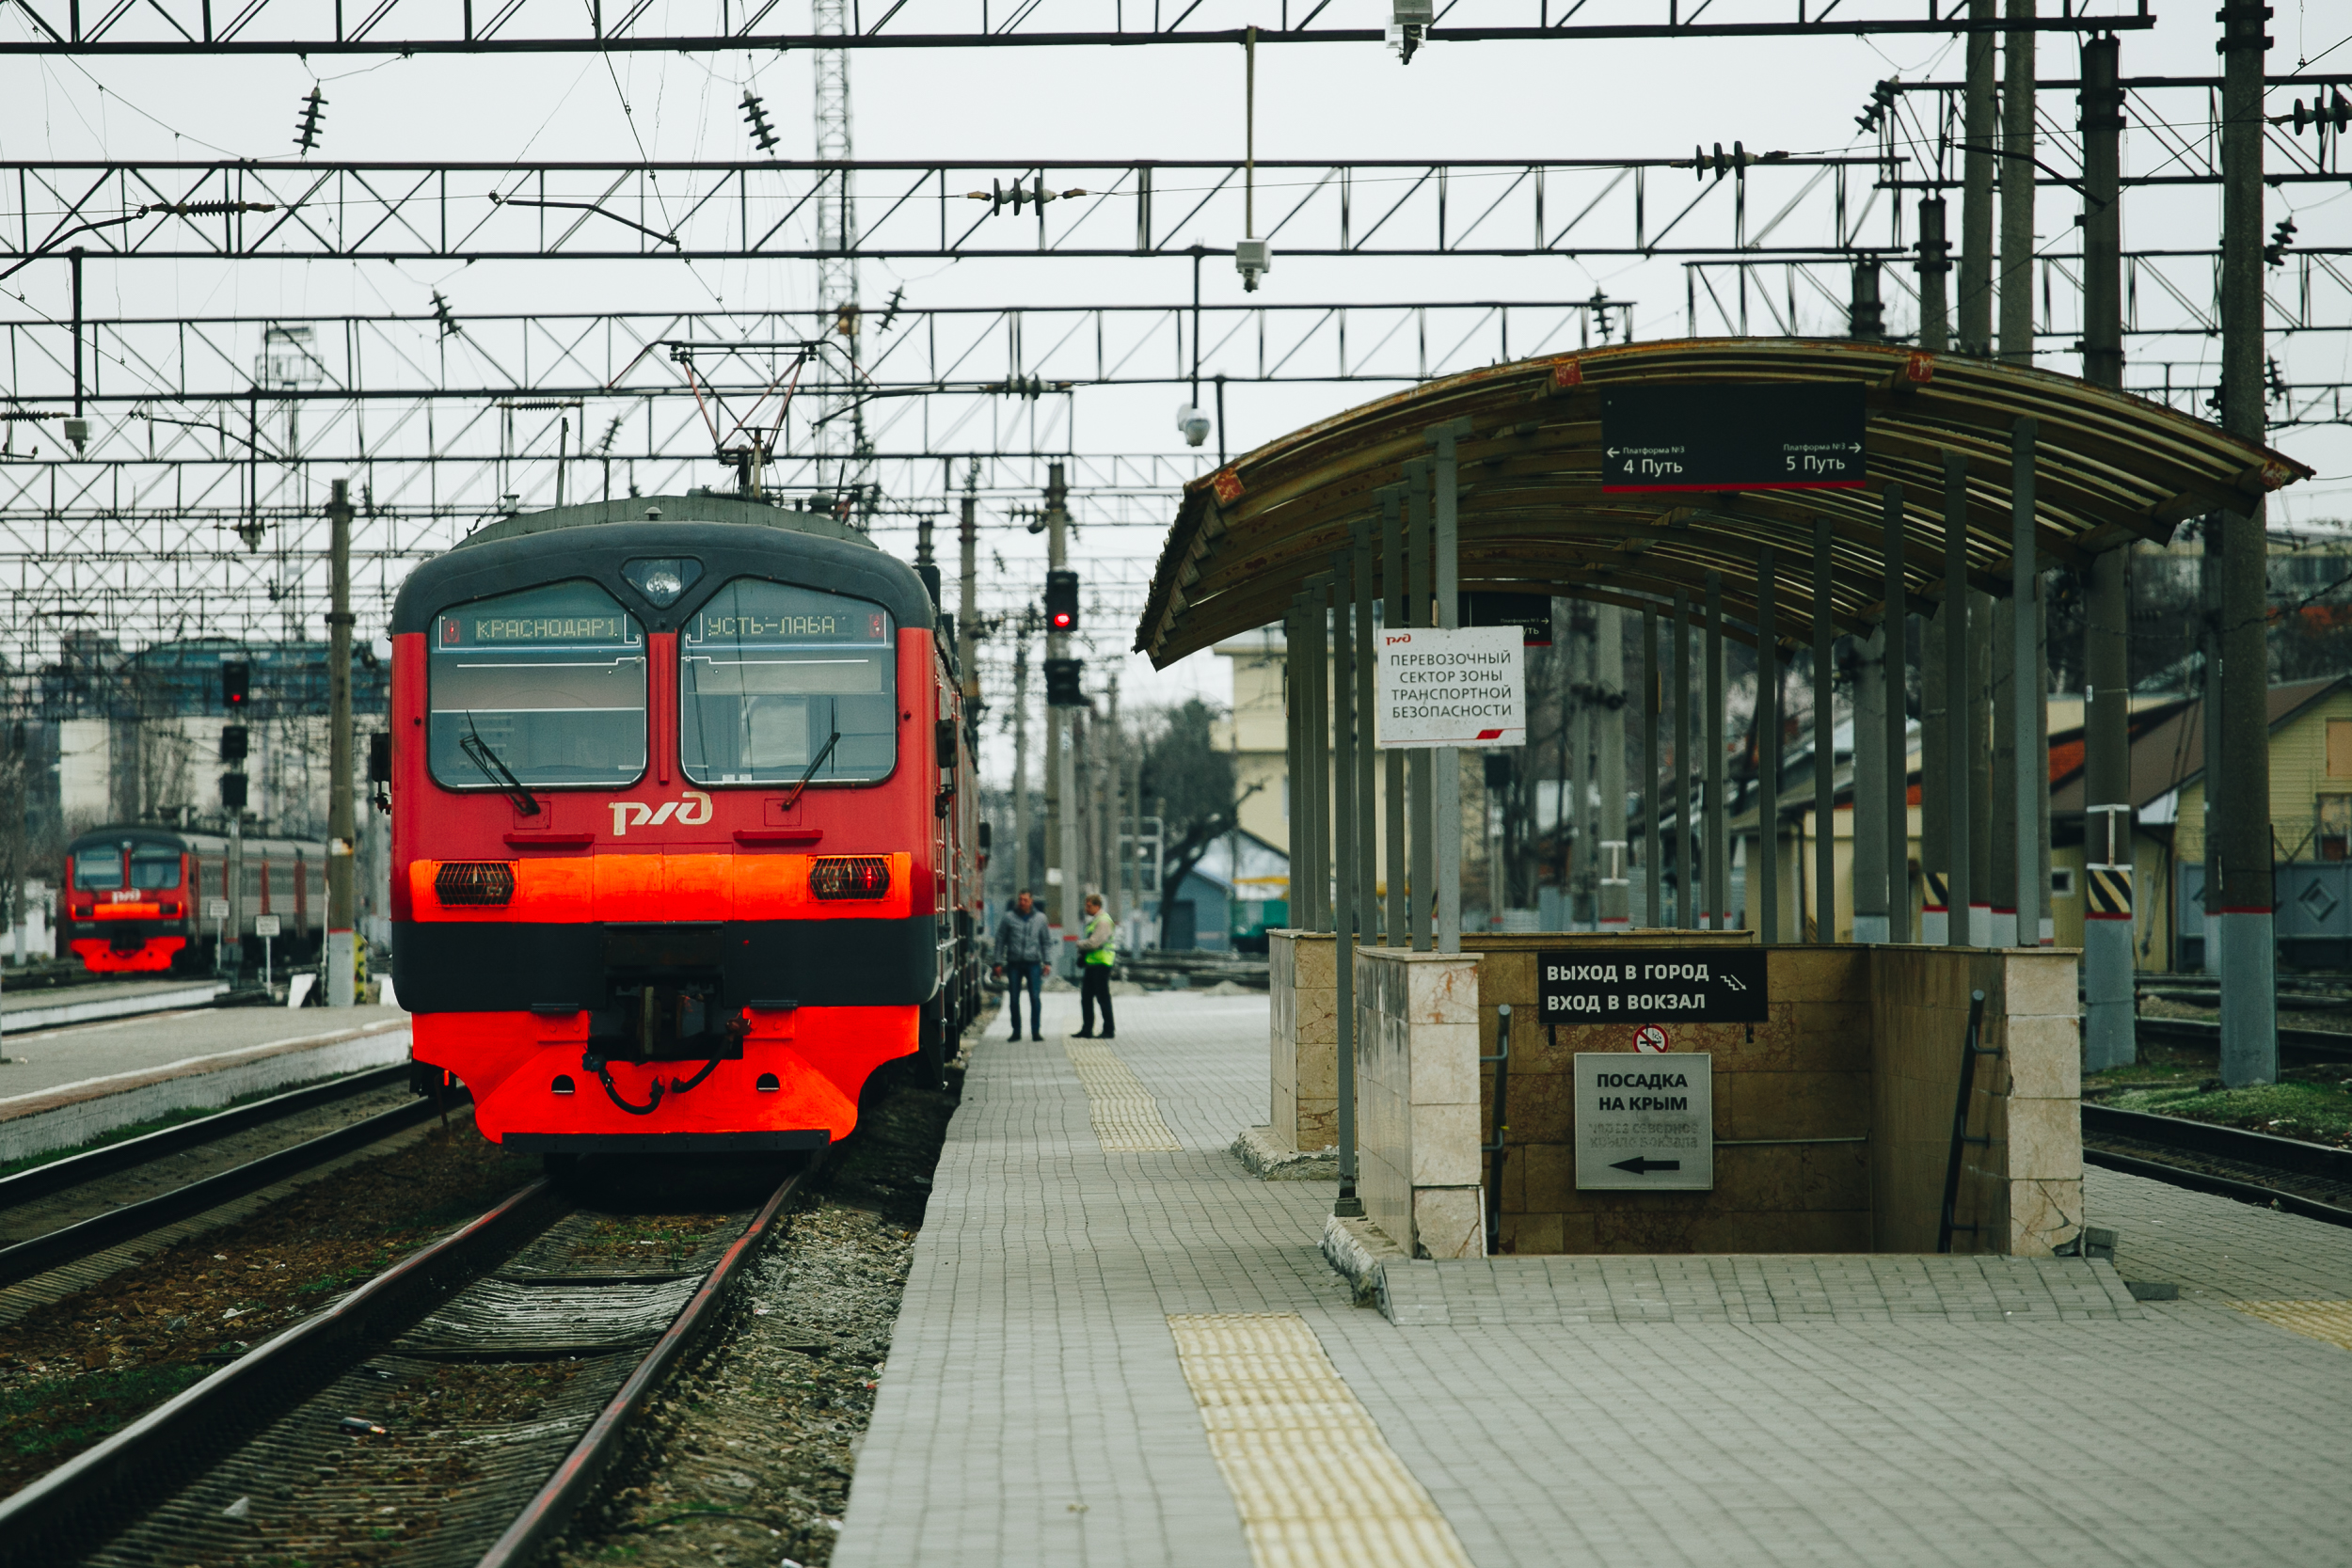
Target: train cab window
x,y
97,868
548,685
773,679
154,866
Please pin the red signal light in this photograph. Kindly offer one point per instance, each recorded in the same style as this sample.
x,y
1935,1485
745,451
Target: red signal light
x,y
849,877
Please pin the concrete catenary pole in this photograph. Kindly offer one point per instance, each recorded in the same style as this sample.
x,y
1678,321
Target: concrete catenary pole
x,y
2249,1017
1114,765
341,824
2109,1025
1023,869
1935,266
1349,822
1061,800
2016,174
1979,123
968,607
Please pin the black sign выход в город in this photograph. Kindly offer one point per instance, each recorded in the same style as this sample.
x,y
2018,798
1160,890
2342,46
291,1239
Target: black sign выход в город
x,y
1802,436
1652,984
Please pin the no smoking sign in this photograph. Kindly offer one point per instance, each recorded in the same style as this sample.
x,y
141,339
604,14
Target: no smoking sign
x,y
1651,1038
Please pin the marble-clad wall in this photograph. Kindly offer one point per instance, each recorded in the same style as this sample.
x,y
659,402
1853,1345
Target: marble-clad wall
x,y
1419,1127
1303,1040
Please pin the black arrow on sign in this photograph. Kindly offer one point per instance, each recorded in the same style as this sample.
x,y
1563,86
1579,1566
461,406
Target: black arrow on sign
x,y
1641,1165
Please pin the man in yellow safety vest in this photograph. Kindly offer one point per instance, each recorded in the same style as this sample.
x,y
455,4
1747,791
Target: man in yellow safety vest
x,y
1098,951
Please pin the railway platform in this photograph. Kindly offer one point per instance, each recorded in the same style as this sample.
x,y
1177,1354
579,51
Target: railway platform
x,y
62,1085
1117,1347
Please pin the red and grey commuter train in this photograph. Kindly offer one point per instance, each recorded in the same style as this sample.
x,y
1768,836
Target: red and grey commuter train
x,y
134,901
685,841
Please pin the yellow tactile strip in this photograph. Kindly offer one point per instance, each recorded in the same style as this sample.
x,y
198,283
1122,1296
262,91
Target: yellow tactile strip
x,y
1126,1118
2331,1321
1316,1485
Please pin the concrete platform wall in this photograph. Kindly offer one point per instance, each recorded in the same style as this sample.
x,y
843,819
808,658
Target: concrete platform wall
x,y
1832,1117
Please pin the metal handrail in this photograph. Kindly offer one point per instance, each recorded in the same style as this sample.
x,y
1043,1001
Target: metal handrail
x,y
1502,1060
1959,1123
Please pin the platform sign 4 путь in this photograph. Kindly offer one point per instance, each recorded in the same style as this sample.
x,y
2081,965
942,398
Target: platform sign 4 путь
x,y
1652,984
1737,436
1462,687
1645,1123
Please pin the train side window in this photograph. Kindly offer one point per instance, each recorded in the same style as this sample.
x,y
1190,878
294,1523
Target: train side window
x,y
548,684
97,868
154,866
770,673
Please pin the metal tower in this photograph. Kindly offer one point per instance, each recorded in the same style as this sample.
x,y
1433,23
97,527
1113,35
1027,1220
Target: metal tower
x,y
845,453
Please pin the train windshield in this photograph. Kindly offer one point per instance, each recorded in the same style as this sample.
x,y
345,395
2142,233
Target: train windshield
x,y
97,868
548,685
154,865
774,680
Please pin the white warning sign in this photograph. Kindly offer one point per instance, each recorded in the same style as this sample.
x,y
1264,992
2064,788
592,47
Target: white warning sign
x,y
1461,688
1645,1123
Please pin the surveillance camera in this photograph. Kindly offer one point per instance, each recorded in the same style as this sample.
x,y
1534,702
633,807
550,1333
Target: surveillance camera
x,y
1194,424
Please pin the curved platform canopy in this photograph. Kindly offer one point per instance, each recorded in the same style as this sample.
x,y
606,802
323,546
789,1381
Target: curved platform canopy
x,y
2109,468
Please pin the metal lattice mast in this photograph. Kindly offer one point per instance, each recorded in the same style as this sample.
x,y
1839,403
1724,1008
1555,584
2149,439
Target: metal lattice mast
x,y
842,444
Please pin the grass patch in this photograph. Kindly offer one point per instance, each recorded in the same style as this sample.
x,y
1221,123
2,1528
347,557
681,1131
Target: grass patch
x,y
173,1119
72,1414
2315,1113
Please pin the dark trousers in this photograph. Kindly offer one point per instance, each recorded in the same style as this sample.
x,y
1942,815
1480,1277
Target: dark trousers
x,y
1033,977
1094,985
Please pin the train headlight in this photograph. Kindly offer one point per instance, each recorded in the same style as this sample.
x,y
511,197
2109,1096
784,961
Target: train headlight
x,y
849,877
662,579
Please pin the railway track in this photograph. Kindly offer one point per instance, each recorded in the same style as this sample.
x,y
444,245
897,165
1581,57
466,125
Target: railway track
x,y
455,1409
87,1249
2299,1177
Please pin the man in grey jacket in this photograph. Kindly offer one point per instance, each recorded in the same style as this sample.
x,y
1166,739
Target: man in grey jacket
x,y
1025,945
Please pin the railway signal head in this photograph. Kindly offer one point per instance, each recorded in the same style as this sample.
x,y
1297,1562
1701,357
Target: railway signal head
x,y
236,676
232,743
232,791
1062,683
1061,601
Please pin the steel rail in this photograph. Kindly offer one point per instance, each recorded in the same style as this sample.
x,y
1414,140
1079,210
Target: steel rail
x,y
41,1254
542,1520
74,1169
2289,1157
56,1518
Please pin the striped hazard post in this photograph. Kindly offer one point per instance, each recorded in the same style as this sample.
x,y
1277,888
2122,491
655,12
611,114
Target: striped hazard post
x,y
2111,893
1935,907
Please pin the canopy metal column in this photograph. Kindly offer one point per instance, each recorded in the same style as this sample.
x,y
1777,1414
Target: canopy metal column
x,y
1824,746
1448,793
1349,822
1718,854
1866,853
1686,840
1614,905
1420,773
1394,602
1898,679
1364,831
1653,872
1764,863
2031,781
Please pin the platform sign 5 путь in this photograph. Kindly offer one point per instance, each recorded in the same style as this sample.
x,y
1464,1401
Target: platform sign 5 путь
x,y
1652,984
1801,437
1645,1123
1461,688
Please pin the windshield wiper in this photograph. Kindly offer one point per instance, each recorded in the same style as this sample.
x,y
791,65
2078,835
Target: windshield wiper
x,y
814,763
495,770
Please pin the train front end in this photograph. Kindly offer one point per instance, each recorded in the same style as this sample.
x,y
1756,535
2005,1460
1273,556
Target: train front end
x,y
124,903
668,830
